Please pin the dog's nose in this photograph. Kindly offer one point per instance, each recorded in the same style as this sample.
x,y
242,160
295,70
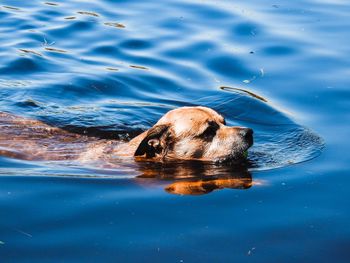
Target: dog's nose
x,y
247,134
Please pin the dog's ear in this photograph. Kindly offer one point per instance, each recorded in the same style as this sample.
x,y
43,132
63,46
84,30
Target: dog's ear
x,y
153,142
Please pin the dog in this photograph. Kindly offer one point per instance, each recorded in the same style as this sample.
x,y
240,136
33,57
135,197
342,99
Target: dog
x,y
197,134
186,133
193,133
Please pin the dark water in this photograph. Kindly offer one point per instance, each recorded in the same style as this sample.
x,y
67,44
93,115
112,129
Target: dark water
x,y
112,68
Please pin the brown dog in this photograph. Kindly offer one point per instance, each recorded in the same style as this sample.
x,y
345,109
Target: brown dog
x,y
187,133
193,133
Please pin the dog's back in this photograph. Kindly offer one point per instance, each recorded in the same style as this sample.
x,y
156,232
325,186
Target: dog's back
x,y
34,140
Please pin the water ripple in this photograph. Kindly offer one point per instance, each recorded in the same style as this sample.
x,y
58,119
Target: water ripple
x,y
73,56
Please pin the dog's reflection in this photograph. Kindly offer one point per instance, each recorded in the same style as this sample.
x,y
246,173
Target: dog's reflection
x,y
195,178
200,187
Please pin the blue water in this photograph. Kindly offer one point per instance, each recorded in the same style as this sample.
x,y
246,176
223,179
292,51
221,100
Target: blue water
x,y
111,69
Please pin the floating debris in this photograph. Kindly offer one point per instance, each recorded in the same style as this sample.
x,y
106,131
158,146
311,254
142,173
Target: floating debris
x,y
112,69
249,80
245,91
138,67
70,17
55,50
22,232
262,72
50,3
31,52
87,13
114,24
45,43
250,251
11,7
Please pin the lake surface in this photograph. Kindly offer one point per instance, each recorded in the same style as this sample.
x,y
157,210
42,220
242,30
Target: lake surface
x,y
112,68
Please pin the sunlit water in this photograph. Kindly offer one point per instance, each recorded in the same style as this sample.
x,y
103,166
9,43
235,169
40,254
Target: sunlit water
x,y
112,69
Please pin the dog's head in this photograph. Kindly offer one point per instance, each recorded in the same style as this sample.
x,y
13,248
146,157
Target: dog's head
x,y
194,133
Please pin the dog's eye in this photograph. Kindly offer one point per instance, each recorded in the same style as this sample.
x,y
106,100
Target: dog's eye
x,y
210,131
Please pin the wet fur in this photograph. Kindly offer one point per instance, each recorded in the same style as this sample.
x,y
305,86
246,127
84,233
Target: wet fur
x,y
189,133
186,133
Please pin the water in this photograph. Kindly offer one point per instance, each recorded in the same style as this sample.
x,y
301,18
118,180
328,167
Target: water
x,y
111,69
